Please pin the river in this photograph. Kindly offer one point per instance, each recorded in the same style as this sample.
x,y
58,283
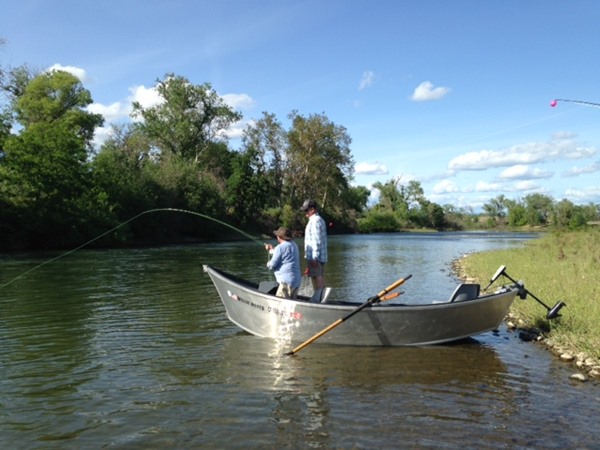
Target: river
x,y
131,349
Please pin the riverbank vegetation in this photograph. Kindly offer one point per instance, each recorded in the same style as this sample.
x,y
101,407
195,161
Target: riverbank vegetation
x,y
559,266
57,190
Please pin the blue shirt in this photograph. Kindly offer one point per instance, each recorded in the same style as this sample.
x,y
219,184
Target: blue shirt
x,y
315,239
285,262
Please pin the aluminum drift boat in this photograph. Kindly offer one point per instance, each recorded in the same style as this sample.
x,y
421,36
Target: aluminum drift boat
x,y
254,308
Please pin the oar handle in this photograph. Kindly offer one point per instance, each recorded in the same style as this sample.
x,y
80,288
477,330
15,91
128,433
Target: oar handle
x,y
393,286
389,296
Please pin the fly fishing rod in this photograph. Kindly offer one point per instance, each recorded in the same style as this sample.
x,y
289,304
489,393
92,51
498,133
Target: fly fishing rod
x,y
185,211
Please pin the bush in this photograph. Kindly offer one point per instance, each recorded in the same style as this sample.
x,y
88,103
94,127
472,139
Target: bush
x,y
379,222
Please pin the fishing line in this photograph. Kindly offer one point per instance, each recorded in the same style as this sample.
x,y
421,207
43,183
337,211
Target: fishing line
x,y
554,102
204,216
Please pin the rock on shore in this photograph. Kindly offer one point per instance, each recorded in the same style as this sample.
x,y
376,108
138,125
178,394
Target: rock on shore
x,y
587,367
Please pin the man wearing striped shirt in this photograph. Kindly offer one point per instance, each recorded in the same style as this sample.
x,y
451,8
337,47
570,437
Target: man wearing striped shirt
x,y
315,246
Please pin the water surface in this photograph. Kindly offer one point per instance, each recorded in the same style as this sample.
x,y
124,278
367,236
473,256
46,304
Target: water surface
x,y
132,349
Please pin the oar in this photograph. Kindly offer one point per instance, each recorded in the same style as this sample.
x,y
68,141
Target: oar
x,y
376,299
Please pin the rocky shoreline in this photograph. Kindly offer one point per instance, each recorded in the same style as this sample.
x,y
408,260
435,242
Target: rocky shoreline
x,y
585,366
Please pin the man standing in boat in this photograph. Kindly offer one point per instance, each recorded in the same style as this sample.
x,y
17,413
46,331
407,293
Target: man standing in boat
x,y
315,247
285,262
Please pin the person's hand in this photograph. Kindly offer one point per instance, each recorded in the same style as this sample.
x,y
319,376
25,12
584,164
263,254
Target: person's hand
x,y
305,272
268,247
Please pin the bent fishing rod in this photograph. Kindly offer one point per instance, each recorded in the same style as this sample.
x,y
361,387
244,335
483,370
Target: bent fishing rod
x,y
185,211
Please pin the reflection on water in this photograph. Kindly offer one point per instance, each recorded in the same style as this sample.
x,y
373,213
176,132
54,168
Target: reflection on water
x,y
354,387
132,349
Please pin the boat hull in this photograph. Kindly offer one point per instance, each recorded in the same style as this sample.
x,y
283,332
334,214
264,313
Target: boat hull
x,y
382,324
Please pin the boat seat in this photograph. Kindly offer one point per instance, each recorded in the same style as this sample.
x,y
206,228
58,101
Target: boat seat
x,y
320,295
268,287
465,291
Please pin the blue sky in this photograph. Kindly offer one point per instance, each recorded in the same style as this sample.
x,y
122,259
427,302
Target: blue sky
x,y
455,94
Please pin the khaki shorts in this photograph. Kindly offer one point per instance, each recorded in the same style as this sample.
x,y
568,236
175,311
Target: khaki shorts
x,y
315,269
284,290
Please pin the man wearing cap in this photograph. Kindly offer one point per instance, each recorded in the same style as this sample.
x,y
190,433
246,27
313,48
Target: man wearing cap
x,y
285,262
315,246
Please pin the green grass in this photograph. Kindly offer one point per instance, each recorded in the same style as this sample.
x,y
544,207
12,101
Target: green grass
x,y
558,266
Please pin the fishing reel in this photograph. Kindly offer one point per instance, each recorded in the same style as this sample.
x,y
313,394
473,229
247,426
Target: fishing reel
x,y
523,293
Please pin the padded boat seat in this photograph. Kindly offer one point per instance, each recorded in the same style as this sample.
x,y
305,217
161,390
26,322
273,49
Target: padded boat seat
x,y
465,291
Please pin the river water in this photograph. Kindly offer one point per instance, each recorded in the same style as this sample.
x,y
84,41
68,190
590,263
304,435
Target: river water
x,y
131,349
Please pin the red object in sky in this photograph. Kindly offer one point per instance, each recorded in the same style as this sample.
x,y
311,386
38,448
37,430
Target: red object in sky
x,y
553,103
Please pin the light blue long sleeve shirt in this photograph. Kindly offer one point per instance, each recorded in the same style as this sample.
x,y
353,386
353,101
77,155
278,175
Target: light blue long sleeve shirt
x,y
285,263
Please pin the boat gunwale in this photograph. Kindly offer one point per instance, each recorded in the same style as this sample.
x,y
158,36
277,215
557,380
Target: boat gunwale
x,y
349,306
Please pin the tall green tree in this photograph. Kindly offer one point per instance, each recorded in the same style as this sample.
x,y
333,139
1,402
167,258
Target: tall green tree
x,y
121,170
247,187
44,171
538,208
319,160
496,208
517,214
188,120
392,197
266,140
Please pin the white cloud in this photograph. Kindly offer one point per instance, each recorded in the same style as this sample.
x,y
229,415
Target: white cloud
x,y
557,148
484,186
101,134
527,185
147,97
366,80
238,101
445,187
425,92
235,131
585,195
373,196
370,169
76,71
523,172
576,171
112,112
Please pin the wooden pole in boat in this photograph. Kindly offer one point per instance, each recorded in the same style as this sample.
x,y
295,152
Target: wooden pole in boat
x,y
376,299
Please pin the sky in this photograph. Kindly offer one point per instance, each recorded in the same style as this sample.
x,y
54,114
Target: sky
x,y
455,94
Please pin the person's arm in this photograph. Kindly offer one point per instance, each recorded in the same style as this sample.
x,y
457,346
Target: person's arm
x,y
319,240
309,241
275,260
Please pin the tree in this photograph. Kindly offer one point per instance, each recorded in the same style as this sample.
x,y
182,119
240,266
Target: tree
x,y
391,197
496,208
267,141
44,171
357,198
538,208
247,187
319,161
517,214
120,170
13,82
413,193
188,120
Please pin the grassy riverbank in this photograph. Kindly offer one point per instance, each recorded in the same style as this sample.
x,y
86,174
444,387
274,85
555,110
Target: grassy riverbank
x,y
558,266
